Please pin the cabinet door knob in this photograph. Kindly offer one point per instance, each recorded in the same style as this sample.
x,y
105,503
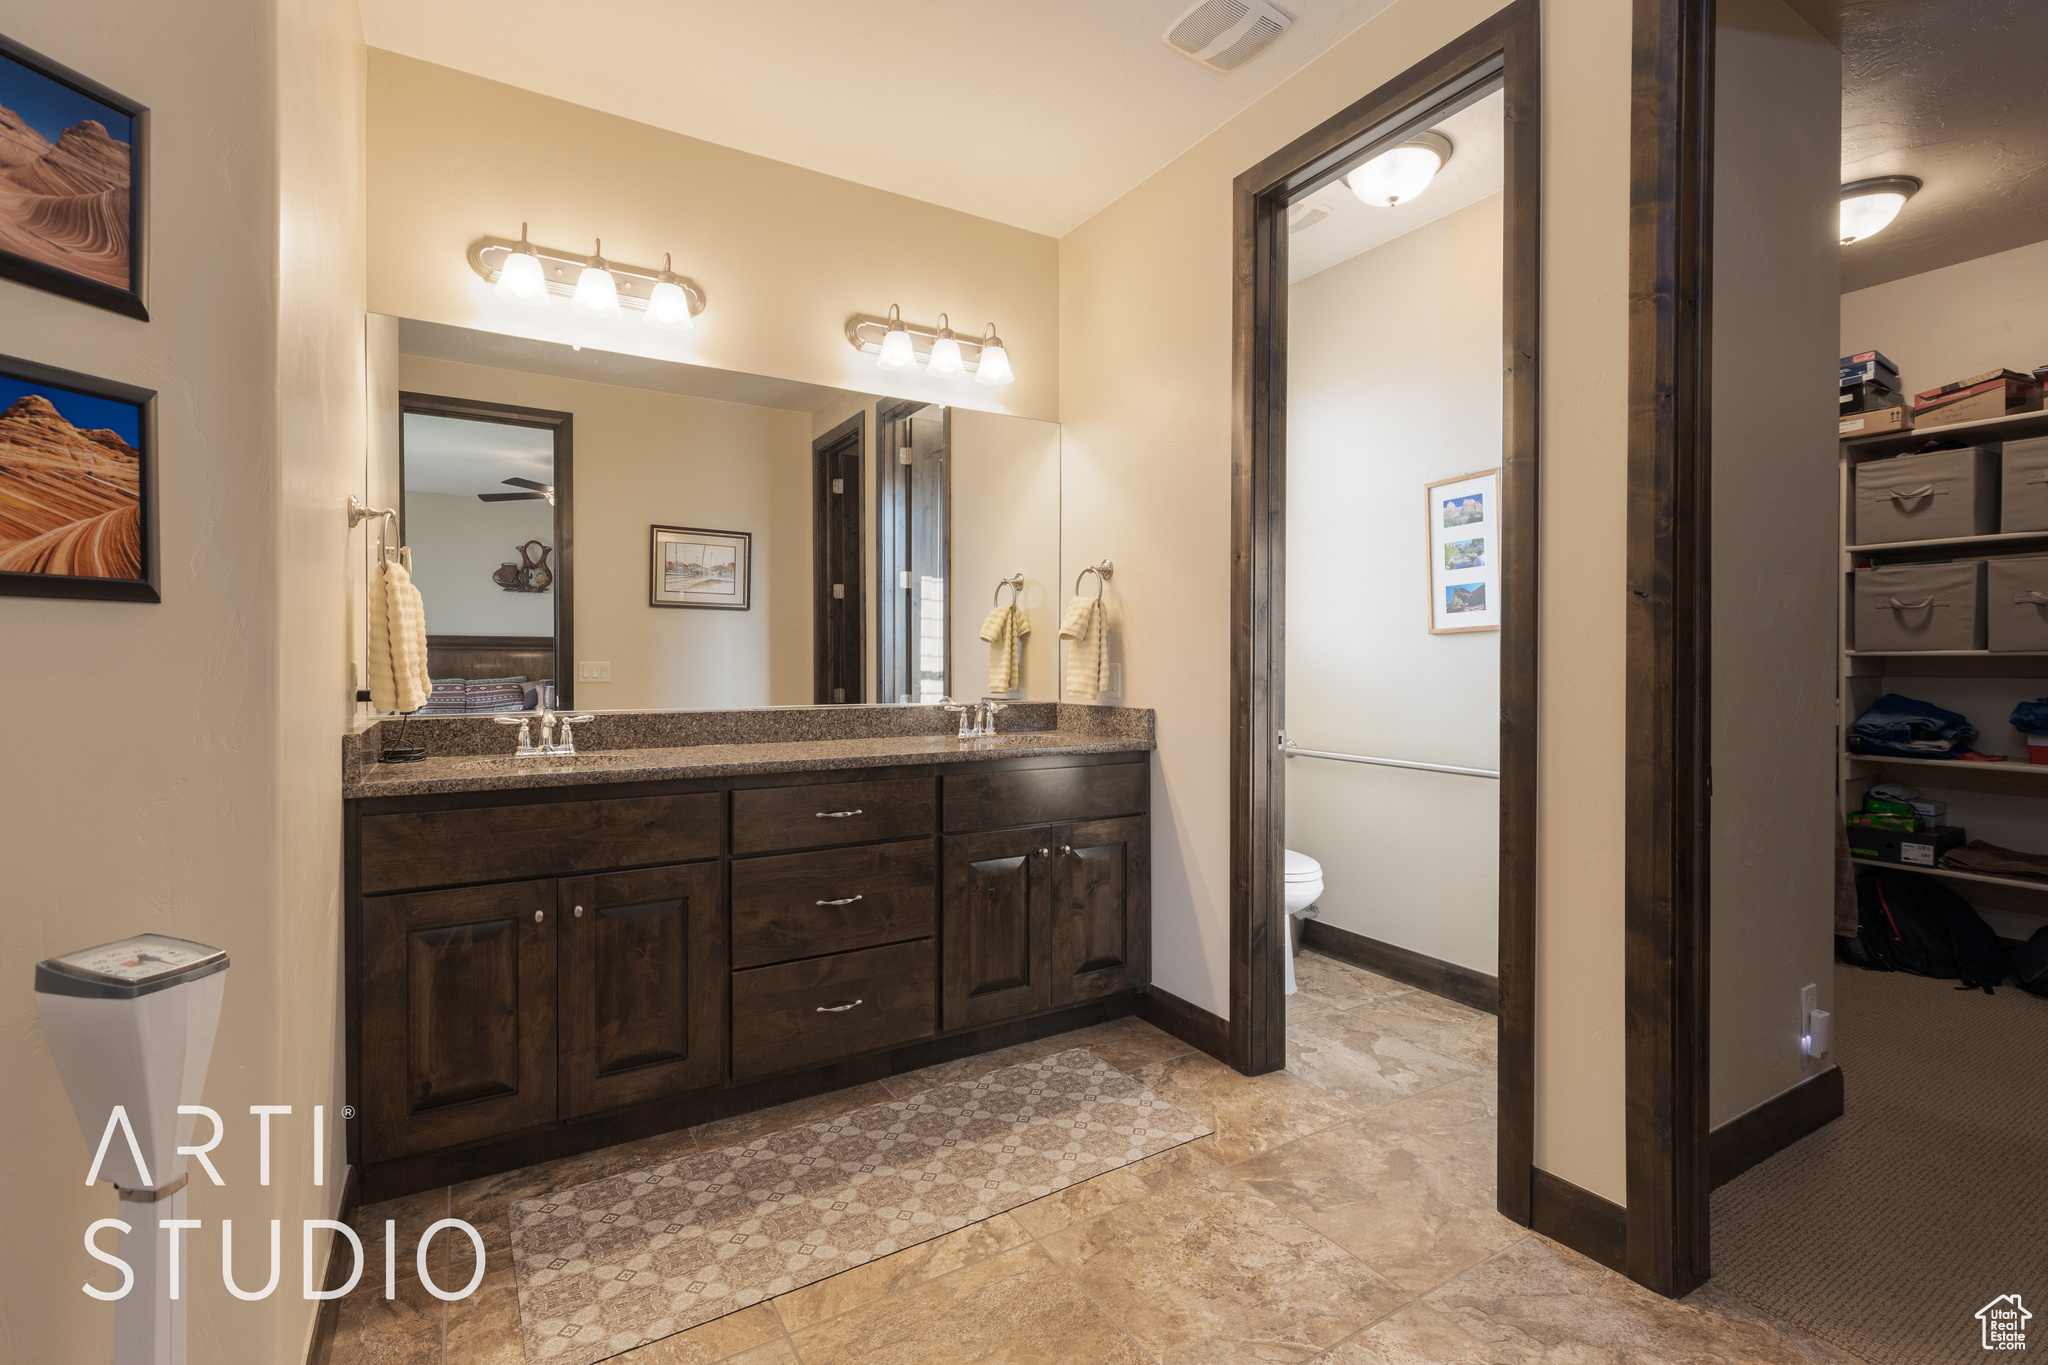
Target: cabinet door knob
x,y
839,1008
579,912
1045,853
1065,849
539,915
848,901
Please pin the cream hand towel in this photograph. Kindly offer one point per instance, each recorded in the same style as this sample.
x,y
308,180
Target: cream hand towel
x,y
398,641
417,647
1004,632
1086,625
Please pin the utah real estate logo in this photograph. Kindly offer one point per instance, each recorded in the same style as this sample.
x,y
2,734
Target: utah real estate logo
x,y
2005,1323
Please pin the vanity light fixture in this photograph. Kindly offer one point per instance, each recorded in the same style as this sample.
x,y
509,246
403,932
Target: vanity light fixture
x,y
995,360
946,361
523,279
596,291
561,273
1399,174
896,351
900,346
1868,206
668,303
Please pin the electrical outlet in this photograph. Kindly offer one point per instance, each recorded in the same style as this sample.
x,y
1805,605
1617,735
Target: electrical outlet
x,y
593,670
1116,681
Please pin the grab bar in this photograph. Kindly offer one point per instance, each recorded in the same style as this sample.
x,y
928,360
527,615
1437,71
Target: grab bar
x,y
1293,750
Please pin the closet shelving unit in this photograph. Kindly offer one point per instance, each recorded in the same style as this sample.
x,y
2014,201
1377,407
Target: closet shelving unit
x,y
2010,796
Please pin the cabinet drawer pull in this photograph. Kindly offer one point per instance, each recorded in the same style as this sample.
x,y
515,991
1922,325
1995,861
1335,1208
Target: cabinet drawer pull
x,y
539,916
840,1009
579,912
848,901
836,814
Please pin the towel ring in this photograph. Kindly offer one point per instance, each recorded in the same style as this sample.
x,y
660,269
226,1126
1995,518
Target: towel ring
x,y
387,531
1102,574
1015,583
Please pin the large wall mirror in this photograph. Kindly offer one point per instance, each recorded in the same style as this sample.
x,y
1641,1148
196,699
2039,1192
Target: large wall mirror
x,y
645,534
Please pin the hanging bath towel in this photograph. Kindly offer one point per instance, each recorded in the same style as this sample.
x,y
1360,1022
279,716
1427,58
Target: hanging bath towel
x,y
1004,631
398,639
1086,626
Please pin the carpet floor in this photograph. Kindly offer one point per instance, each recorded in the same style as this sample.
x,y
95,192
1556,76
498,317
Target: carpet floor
x,y
613,1264
1885,1232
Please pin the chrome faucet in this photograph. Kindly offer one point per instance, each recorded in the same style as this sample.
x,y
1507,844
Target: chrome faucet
x,y
970,721
549,746
988,714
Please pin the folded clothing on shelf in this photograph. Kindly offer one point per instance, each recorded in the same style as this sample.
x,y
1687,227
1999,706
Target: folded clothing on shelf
x,y
1978,856
1905,728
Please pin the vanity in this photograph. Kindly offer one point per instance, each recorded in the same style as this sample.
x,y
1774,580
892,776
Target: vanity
x,y
705,913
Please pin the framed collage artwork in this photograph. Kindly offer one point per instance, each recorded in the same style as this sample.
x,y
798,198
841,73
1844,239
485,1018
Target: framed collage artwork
x,y
1464,552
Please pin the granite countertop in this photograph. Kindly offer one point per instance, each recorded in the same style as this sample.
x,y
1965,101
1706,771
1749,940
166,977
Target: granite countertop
x,y
459,761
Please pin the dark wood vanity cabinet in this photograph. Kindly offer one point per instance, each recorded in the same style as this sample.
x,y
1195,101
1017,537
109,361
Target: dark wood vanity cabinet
x,y
534,973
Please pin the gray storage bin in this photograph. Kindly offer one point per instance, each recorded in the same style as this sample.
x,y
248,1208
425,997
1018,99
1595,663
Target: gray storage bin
x,y
1936,496
2016,604
2023,501
1919,607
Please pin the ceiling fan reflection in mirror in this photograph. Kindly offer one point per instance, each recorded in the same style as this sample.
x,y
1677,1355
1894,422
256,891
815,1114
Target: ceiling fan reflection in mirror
x,y
539,490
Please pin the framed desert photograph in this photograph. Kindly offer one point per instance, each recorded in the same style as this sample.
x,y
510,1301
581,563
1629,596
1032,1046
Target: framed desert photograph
x,y
693,567
77,486
71,183
1464,552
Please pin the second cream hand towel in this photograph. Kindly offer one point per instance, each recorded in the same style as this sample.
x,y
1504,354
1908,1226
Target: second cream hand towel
x,y
1086,625
1004,632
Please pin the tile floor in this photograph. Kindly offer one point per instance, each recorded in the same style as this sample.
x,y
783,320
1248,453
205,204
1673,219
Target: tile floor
x,y
1342,1212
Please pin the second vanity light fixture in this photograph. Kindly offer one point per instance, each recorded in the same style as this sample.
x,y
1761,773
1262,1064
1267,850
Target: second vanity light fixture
x,y
521,272
902,346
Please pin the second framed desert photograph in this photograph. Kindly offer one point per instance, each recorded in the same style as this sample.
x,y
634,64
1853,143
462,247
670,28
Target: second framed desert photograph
x,y
693,567
1464,552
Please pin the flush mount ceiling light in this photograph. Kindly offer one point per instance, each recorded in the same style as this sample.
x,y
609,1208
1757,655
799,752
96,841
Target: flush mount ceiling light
x,y
522,278
899,345
497,260
1401,173
1868,206
596,291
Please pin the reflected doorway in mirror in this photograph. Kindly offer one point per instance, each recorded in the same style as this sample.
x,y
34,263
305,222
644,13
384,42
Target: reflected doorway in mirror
x,y
694,567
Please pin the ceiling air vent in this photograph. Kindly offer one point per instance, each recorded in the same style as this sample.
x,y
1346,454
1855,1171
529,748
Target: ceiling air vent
x,y
1306,214
1225,34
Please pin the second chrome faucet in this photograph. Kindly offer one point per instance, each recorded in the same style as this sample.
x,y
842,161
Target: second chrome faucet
x,y
554,743
978,719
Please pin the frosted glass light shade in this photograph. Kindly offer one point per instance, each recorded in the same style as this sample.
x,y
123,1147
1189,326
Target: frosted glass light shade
x,y
1396,176
597,292
668,305
898,351
995,365
522,280
1869,214
946,361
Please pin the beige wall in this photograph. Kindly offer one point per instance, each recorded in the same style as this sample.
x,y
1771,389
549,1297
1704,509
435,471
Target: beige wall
x,y
458,543
643,458
1961,320
1777,144
785,256
1146,482
178,775
1391,384
1006,519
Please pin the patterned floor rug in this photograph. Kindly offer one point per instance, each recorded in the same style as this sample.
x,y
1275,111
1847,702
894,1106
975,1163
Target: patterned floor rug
x,y
620,1262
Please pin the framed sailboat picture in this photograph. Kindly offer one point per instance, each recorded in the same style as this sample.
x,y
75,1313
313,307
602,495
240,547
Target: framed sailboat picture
x,y
1464,552
693,567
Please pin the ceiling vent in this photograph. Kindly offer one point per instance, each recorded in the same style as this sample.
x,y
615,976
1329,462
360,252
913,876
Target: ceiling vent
x,y
1225,34
1306,214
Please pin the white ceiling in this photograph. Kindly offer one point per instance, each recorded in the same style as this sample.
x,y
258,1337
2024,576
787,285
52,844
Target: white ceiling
x,y
1037,115
455,455
1354,226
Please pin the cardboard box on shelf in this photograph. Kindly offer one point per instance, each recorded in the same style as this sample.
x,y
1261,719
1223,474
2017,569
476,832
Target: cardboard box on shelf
x,y
1869,398
1995,398
1883,422
1866,365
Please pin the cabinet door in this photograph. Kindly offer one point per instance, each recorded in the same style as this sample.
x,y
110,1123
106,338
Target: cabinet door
x,y
458,1025
997,909
643,985
1101,912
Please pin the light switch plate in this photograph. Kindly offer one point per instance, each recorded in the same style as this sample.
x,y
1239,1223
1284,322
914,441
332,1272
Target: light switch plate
x,y
1116,681
593,670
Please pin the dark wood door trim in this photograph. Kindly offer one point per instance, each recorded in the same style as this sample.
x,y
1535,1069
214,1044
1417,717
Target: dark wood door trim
x,y
1666,726
847,645
1502,50
563,425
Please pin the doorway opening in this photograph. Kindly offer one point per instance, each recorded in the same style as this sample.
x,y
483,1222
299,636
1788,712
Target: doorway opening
x,y
913,553
1384,509
838,562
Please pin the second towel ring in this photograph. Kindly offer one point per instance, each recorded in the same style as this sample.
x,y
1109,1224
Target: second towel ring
x,y
1102,573
1015,583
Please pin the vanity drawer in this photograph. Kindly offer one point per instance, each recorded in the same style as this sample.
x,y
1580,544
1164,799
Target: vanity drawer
x,y
1036,796
771,819
803,1013
508,843
782,907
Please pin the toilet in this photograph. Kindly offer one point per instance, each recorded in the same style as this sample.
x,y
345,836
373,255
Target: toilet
x,y
1303,887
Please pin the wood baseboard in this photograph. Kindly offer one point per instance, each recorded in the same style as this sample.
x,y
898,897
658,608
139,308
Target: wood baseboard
x,y
1774,1125
1191,1024
1410,968
1580,1219
327,1321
